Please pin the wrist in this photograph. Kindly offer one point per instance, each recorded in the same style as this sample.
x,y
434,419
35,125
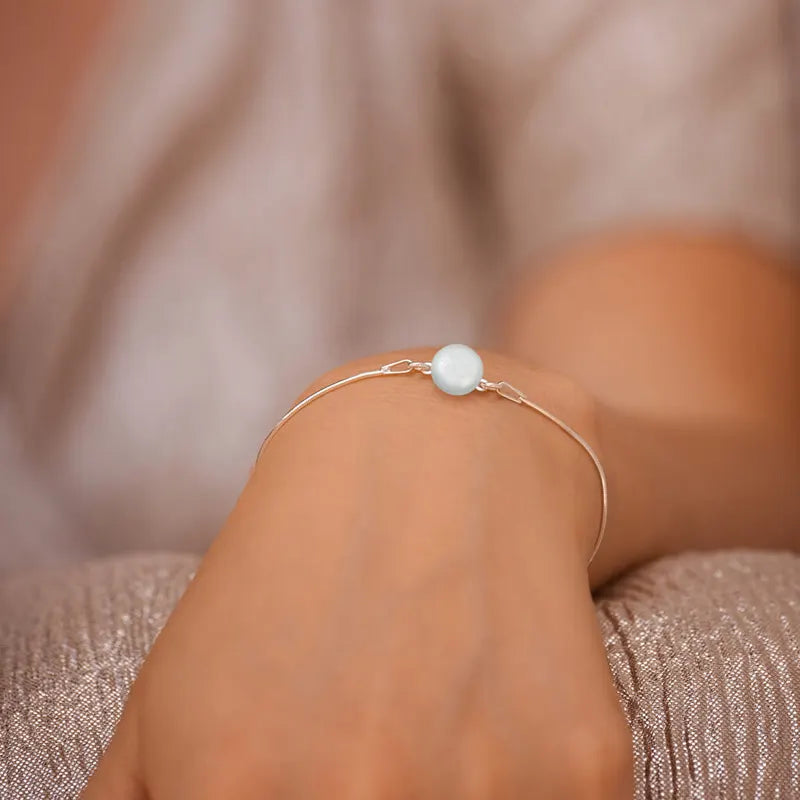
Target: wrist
x,y
502,432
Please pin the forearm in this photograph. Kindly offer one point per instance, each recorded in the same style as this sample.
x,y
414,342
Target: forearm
x,y
692,348
677,487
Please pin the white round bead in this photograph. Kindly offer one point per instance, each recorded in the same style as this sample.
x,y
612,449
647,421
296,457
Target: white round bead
x,y
456,369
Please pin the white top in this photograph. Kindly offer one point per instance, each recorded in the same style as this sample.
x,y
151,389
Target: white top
x,y
251,193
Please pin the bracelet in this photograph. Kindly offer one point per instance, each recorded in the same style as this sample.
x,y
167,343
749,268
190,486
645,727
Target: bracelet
x,y
458,370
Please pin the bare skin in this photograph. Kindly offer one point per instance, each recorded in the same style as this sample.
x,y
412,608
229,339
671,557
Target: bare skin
x,y
691,346
419,623
398,605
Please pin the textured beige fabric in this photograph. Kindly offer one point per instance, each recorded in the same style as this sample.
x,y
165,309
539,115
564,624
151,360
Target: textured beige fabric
x,y
704,650
253,192
71,643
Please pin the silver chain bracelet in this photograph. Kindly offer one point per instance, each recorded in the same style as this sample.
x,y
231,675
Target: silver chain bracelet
x,y
458,370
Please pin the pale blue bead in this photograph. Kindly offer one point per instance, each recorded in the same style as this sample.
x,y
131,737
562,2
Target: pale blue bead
x,y
456,369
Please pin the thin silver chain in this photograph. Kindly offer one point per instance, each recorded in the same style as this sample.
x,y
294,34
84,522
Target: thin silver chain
x,y
502,388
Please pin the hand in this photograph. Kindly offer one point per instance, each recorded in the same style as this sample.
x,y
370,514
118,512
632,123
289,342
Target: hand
x,y
398,607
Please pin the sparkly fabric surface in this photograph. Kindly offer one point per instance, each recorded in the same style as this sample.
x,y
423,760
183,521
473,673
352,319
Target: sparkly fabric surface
x,y
705,652
71,643
704,649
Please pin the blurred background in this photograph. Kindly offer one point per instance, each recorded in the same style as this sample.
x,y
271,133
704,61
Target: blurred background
x,y
204,205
